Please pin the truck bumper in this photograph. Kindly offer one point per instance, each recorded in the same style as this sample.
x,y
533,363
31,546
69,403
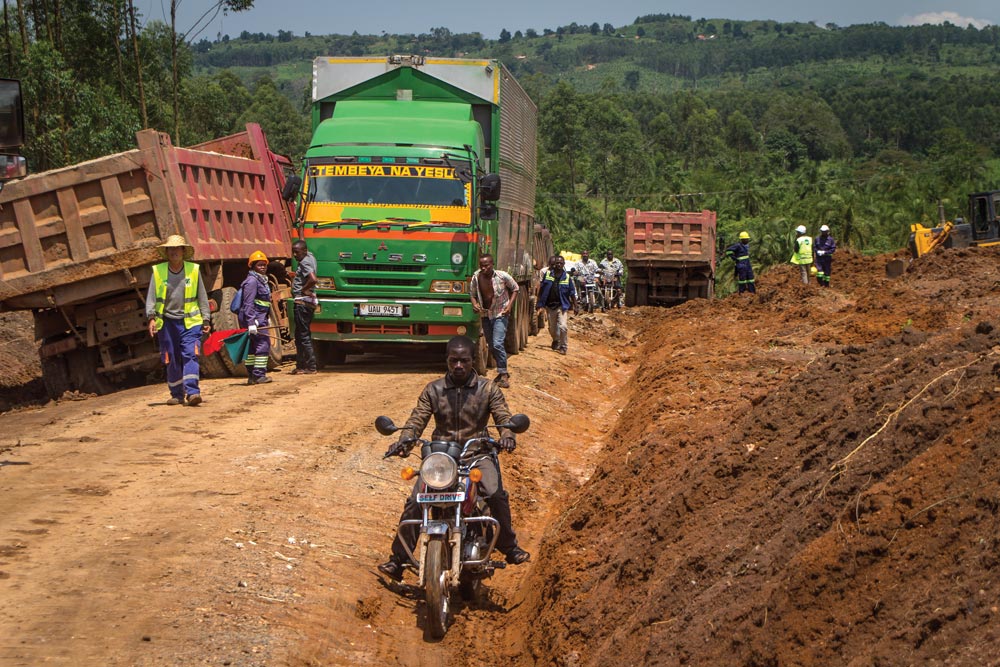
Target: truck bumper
x,y
423,321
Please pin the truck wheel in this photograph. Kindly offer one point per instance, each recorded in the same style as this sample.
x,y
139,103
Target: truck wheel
x,y
275,353
328,353
482,356
223,320
534,323
524,324
212,366
83,375
629,295
55,376
510,342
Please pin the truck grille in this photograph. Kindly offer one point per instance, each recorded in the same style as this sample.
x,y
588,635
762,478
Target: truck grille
x,y
393,282
409,268
382,329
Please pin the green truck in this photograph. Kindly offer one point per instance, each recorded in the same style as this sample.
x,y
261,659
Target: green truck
x,y
401,193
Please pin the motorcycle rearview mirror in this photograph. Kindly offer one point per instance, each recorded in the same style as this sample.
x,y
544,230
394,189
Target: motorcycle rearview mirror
x,y
385,426
518,423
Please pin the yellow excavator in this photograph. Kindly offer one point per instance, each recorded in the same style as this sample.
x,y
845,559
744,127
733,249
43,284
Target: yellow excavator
x,y
982,228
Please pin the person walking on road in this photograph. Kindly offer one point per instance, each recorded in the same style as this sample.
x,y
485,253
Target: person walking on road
x,y
557,296
739,252
825,247
303,291
255,309
493,294
461,404
178,314
803,252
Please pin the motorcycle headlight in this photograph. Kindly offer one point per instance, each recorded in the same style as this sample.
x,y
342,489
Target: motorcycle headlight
x,y
439,471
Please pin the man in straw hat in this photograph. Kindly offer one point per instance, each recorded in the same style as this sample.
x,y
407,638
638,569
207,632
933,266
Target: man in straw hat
x,y
177,310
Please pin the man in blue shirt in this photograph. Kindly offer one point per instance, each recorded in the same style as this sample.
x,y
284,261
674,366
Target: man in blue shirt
x,y
556,296
825,246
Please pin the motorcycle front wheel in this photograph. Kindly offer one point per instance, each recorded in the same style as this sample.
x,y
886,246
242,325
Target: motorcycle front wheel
x,y
436,589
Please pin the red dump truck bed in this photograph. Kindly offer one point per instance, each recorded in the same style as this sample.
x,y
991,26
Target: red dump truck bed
x,y
72,234
671,236
670,256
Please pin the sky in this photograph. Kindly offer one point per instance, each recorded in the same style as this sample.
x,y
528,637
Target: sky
x,y
323,17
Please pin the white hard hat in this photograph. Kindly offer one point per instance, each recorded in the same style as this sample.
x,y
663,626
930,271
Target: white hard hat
x,y
801,229
824,228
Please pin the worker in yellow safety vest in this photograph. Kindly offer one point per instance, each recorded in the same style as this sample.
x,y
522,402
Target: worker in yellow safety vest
x,y
178,314
803,253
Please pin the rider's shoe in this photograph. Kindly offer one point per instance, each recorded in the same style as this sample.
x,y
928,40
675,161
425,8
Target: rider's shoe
x,y
515,556
392,569
555,345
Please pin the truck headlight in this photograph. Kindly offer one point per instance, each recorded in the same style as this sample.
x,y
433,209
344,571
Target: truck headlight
x,y
448,286
439,471
452,311
325,283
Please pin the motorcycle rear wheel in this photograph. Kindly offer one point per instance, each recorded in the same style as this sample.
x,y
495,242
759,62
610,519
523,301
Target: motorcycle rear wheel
x,y
436,589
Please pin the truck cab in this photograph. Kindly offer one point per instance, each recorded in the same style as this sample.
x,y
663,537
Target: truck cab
x,y
400,195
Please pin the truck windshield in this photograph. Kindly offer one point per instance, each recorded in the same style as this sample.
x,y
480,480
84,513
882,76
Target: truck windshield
x,y
391,184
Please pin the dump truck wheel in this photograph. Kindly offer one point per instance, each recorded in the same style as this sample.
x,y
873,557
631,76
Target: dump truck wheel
x,y
55,376
223,320
212,366
83,375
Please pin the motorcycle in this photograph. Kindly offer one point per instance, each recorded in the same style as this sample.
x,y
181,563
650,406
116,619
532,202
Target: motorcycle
x,y
589,293
609,294
457,534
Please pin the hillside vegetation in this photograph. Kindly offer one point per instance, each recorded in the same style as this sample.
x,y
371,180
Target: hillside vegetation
x,y
864,128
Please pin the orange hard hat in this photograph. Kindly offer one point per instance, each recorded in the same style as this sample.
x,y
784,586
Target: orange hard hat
x,y
256,256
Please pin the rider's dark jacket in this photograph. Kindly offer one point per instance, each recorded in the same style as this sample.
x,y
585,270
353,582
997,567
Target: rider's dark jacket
x,y
460,412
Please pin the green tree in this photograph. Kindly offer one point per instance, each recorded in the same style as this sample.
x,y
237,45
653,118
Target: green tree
x,y
287,131
740,135
618,162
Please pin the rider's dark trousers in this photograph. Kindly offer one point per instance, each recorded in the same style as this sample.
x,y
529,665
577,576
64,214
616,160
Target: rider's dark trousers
x,y
491,488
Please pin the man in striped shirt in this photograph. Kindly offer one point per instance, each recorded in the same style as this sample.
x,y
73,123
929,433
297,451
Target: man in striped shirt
x,y
493,295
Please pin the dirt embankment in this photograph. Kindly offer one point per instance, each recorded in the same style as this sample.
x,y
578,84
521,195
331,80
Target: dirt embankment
x,y
21,380
805,477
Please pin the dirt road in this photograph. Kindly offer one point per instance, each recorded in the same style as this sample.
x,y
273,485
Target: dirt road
x,y
246,531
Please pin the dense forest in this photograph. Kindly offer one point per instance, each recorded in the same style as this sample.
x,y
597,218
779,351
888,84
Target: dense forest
x,y
864,128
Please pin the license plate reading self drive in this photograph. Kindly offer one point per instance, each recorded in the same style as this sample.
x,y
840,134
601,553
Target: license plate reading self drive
x,y
456,497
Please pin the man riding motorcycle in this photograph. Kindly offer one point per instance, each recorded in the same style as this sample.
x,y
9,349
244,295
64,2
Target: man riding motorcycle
x,y
461,403
585,271
611,272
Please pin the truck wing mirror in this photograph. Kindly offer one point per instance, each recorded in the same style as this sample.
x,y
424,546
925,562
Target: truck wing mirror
x,y
489,187
488,211
292,186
